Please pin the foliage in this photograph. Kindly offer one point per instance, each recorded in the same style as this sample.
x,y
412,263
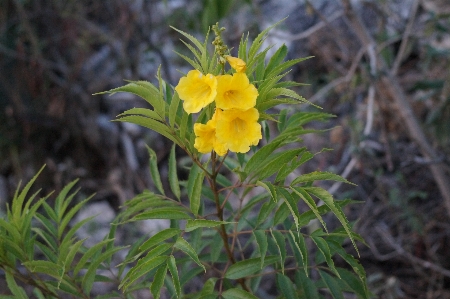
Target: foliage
x,y
258,226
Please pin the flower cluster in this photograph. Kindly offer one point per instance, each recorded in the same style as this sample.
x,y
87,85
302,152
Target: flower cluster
x,y
234,125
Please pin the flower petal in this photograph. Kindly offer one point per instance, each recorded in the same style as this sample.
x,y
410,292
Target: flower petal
x,y
196,90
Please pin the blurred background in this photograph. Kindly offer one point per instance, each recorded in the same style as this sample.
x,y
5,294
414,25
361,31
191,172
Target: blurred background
x,y
381,66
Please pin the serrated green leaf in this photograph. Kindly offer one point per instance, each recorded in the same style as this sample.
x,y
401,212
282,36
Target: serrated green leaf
x,y
184,246
152,125
319,176
310,202
274,162
291,204
309,290
142,112
265,211
237,294
281,214
327,198
280,241
173,176
325,250
90,276
158,282
332,285
216,247
159,237
208,288
162,213
276,58
261,240
173,109
270,188
195,196
174,272
193,224
137,272
90,253
353,283
286,287
17,291
153,163
249,267
261,155
300,245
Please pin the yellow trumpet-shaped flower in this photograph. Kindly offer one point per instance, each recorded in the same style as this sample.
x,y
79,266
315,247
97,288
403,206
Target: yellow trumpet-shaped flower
x,y
205,140
236,63
238,129
235,92
196,90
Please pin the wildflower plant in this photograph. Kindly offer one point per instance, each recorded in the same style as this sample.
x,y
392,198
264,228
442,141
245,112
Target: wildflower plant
x,y
242,215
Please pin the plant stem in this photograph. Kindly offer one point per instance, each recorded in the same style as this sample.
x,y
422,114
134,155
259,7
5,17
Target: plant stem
x,y
223,232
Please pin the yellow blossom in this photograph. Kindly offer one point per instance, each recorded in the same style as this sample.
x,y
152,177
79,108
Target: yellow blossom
x,y
205,140
235,92
196,90
238,129
238,64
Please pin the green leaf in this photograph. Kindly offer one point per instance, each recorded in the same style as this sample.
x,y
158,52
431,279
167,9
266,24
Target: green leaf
x,y
248,267
90,276
353,282
184,246
300,245
327,198
158,281
237,294
194,197
159,237
276,59
173,109
142,112
153,163
325,250
173,176
319,176
286,287
152,125
275,162
332,284
174,271
291,204
89,253
281,214
138,271
208,288
18,292
261,155
261,240
310,202
270,188
162,213
216,247
265,211
280,241
309,290
193,224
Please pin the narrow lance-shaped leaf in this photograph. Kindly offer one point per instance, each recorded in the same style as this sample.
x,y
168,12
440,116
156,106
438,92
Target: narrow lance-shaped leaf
x,y
174,272
173,176
280,241
184,246
195,196
237,294
193,224
336,209
261,240
158,281
332,284
159,237
325,250
311,204
319,176
249,267
153,163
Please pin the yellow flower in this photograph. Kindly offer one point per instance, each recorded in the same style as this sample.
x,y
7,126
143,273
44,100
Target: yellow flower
x,y
196,90
238,129
205,140
235,92
238,64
